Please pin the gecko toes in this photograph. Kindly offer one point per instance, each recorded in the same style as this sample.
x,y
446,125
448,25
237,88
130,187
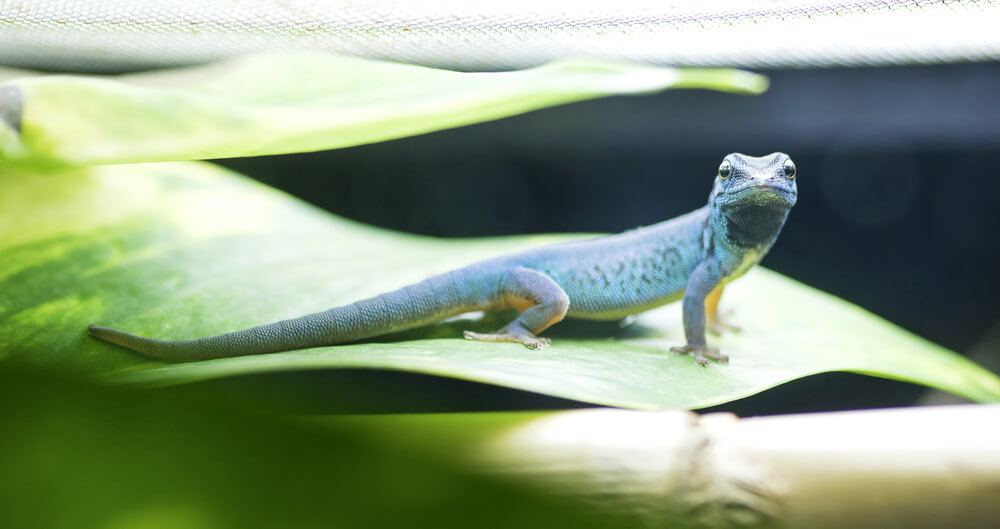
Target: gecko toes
x,y
701,354
528,340
532,342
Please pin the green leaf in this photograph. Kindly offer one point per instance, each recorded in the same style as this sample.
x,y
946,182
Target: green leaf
x,y
76,455
186,250
297,101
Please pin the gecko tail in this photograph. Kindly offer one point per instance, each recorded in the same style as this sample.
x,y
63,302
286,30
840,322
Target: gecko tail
x,y
313,330
165,349
121,338
270,338
431,300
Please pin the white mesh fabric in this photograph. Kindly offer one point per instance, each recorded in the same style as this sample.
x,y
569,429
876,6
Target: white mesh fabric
x,y
118,35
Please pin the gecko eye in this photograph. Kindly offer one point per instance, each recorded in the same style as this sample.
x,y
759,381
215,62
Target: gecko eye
x,y
724,169
789,169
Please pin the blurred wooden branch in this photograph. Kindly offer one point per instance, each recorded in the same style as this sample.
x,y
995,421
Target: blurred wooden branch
x,y
912,468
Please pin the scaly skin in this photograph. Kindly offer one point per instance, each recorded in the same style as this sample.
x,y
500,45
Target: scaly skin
x,y
691,257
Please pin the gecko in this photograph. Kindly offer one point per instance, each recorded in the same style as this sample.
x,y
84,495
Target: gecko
x,y
689,258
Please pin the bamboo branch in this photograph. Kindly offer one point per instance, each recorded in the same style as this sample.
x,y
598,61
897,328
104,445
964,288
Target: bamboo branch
x,y
912,468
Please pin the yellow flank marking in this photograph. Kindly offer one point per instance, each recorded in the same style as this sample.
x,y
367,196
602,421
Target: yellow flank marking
x,y
519,303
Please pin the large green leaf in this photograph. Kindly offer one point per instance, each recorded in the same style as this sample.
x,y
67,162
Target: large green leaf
x,y
295,101
186,250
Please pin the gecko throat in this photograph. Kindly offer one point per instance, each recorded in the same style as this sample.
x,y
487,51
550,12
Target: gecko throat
x,y
755,222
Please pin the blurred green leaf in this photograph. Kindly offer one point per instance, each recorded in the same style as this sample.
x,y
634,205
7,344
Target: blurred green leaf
x,y
75,456
186,250
297,101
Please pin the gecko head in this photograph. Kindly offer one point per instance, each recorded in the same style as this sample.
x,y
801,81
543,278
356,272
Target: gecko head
x,y
768,178
753,195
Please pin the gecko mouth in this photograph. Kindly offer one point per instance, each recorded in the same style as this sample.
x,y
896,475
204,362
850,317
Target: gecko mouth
x,y
761,193
760,188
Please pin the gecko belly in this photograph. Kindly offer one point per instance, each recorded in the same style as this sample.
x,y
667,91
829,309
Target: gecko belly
x,y
615,308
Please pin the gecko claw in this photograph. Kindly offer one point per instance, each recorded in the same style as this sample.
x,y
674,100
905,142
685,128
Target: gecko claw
x,y
527,339
701,354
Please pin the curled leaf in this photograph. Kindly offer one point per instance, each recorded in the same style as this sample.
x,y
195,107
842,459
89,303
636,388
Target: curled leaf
x,y
186,250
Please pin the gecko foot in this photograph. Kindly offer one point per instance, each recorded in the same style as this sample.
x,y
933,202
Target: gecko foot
x,y
721,323
701,354
521,336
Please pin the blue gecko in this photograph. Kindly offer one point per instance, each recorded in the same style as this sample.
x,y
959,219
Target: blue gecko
x,y
691,257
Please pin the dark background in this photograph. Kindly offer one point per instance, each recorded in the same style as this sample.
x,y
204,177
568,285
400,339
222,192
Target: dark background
x,y
899,177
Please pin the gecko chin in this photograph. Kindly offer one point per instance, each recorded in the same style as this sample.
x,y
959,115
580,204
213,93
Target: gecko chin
x,y
756,218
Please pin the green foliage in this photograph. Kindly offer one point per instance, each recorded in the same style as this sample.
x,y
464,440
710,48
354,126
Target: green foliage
x,y
298,101
185,250
180,250
76,455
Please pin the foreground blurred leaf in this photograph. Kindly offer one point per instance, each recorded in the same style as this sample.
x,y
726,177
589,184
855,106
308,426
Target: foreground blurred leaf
x,y
296,101
74,455
187,250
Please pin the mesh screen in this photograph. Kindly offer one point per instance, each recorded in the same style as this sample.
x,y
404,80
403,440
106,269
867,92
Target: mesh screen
x,y
122,35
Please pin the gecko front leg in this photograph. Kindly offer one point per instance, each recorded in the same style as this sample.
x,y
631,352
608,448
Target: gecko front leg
x,y
705,279
543,302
